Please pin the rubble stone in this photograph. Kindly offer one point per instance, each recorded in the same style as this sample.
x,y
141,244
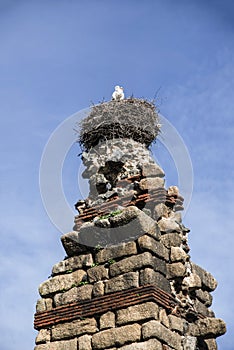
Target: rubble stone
x,y
148,243
171,239
84,342
98,289
151,183
74,294
107,320
160,210
72,245
177,323
116,336
156,329
73,263
207,327
152,170
175,270
137,262
204,296
97,273
58,345
139,312
118,251
149,276
44,305
207,279
126,281
163,318
151,344
61,283
168,225
178,254
73,329
43,336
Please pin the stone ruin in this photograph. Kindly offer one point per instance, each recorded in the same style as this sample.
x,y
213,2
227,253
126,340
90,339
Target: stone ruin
x,y
127,281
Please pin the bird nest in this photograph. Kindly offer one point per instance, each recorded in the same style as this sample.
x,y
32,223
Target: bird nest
x,y
129,118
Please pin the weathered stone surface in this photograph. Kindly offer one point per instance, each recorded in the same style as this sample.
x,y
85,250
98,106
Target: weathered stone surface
x,y
97,273
211,344
44,305
84,342
163,318
149,276
189,343
73,329
148,243
171,239
137,262
207,328
126,281
177,323
139,312
192,281
156,329
152,170
61,283
43,336
74,294
160,210
58,345
151,183
107,320
98,289
202,309
175,270
152,344
73,263
116,336
204,296
118,251
168,225
178,254
207,279
71,244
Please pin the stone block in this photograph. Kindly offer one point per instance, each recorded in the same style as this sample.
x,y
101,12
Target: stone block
x,y
151,183
126,281
73,263
137,262
202,309
74,294
171,239
163,318
204,296
84,342
44,305
151,344
189,343
192,281
160,210
168,225
211,344
116,336
136,313
72,245
152,170
178,254
61,283
97,273
207,327
98,289
176,270
73,329
149,276
43,336
176,323
208,281
118,251
148,243
107,320
157,330
58,345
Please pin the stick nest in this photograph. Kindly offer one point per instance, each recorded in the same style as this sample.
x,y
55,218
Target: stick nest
x,y
130,118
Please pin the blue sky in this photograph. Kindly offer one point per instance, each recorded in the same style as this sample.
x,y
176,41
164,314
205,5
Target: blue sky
x,y
58,56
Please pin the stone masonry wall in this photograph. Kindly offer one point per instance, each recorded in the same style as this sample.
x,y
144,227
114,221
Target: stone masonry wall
x,y
127,281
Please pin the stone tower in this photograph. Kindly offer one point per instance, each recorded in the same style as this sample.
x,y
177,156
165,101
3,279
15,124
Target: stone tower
x,y
128,281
